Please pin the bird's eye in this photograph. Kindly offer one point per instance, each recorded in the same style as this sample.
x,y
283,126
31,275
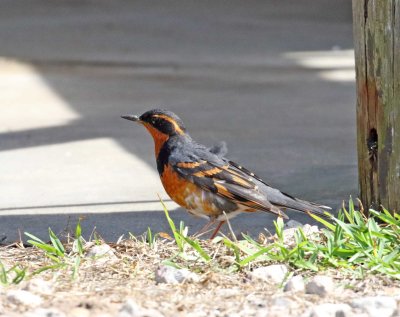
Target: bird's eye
x,y
153,120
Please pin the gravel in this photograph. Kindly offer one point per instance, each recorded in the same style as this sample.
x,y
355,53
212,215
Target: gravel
x,y
137,283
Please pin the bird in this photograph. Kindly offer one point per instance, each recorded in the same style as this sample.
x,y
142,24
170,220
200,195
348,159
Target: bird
x,y
207,184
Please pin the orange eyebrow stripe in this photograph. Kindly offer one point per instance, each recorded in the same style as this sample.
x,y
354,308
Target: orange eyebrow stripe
x,y
172,121
210,172
190,164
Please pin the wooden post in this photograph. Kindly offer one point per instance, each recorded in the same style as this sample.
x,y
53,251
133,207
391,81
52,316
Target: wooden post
x,y
376,26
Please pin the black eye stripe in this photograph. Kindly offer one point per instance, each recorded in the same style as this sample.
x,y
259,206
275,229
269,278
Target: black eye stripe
x,y
159,121
165,124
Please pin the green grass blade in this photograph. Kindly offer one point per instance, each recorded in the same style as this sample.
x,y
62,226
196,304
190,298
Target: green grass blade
x,y
306,265
255,256
149,237
19,275
34,238
75,268
279,228
45,247
172,264
77,246
3,274
346,227
323,221
235,249
171,223
348,216
56,243
251,240
196,246
78,230
49,267
391,256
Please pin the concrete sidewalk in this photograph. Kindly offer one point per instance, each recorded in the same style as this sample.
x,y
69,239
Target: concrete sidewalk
x,y
274,80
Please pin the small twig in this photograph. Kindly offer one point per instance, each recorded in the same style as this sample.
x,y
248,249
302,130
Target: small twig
x,y
360,205
230,227
92,233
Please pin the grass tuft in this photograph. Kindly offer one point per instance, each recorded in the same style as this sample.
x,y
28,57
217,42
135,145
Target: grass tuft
x,y
13,275
56,252
349,243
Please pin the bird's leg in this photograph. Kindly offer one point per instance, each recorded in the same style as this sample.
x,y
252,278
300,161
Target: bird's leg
x,y
217,229
205,227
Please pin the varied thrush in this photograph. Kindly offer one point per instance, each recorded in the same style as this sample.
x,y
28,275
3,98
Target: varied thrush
x,y
204,182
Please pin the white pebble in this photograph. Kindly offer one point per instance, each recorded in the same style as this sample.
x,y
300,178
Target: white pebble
x,y
283,302
310,230
291,227
171,275
131,309
295,284
382,306
79,312
45,312
292,224
39,286
101,253
21,297
228,292
320,285
331,310
273,274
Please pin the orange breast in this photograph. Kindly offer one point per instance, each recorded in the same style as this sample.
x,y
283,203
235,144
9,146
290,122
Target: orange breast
x,y
177,187
187,194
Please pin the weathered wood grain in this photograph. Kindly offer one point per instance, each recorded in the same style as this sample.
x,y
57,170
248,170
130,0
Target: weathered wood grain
x,y
376,26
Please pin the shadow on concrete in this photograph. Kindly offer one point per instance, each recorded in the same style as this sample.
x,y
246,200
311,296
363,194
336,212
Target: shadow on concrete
x,y
112,226
217,64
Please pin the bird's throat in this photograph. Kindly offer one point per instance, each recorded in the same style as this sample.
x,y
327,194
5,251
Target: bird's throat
x,y
158,137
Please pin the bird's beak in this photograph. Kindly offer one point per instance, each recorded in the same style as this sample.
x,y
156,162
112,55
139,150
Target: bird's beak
x,y
131,117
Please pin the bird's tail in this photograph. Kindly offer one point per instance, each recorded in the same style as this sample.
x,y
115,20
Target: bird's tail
x,y
283,200
310,207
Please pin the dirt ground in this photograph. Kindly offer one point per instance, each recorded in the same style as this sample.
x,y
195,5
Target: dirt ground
x,y
104,286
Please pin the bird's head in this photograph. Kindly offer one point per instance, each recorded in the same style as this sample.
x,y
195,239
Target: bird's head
x,y
161,124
